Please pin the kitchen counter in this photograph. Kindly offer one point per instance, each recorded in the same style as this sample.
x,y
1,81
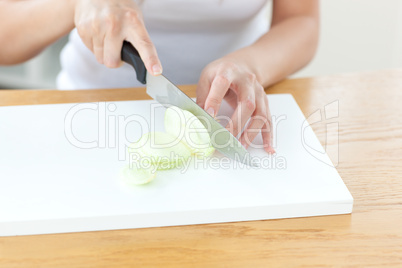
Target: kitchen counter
x,y
369,159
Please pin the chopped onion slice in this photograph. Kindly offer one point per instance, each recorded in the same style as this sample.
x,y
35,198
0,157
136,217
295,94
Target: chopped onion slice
x,y
189,129
161,149
137,176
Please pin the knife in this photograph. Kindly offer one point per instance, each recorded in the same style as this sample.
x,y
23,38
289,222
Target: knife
x,y
166,93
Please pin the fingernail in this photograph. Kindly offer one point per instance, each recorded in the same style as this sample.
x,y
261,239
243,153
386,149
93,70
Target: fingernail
x,y
156,69
211,111
271,150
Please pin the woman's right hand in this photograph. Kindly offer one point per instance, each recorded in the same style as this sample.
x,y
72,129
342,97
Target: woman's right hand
x,y
103,25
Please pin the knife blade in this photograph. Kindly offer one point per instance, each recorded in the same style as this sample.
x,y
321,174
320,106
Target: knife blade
x,y
166,93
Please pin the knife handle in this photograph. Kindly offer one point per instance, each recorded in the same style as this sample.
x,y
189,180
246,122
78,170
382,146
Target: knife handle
x,y
131,56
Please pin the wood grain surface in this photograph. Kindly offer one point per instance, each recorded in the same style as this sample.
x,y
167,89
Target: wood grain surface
x,y
369,160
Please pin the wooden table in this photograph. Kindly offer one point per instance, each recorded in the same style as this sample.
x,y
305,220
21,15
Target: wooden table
x,y
370,163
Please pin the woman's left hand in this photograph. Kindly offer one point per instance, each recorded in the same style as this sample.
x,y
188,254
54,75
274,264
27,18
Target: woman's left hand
x,y
231,79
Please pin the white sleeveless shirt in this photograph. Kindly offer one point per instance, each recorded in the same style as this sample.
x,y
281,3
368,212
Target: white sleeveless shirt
x,y
188,34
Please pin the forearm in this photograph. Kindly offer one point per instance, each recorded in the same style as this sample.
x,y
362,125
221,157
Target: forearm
x,y
28,26
286,48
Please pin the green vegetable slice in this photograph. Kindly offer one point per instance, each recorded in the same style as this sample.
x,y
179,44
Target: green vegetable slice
x,y
189,129
160,149
137,176
185,136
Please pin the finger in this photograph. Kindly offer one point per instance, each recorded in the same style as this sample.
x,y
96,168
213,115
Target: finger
x,y
138,36
112,51
86,39
249,134
231,98
257,121
267,131
97,48
202,90
245,108
113,44
220,85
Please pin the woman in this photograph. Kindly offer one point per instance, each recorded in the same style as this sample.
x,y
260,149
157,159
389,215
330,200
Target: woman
x,y
223,45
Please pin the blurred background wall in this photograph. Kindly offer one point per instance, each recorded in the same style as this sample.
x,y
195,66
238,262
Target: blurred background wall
x,y
356,35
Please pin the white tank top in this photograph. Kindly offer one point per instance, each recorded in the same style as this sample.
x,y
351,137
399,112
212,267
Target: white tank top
x,y
188,34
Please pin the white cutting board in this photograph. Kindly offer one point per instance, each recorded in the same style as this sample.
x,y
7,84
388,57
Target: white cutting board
x,y
50,185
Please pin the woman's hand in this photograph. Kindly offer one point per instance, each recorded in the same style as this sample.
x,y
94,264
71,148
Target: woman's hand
x,y
240,76
230,79
103,25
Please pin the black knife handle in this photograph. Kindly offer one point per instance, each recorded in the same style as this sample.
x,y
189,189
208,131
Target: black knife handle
x,y
130,55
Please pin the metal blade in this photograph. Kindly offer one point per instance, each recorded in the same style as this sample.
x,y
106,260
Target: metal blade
x,y
166,93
